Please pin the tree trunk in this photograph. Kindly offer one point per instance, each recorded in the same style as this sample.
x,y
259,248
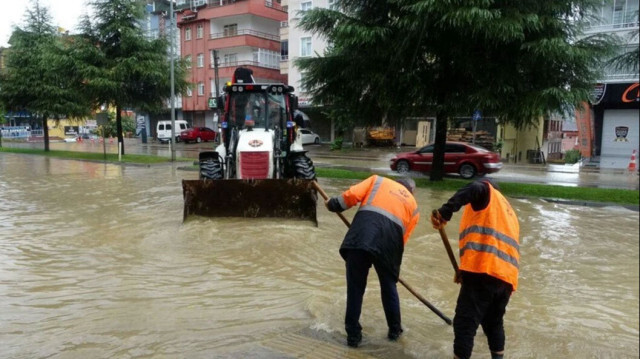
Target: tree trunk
x,y
119,129
444,83
437,167
45,132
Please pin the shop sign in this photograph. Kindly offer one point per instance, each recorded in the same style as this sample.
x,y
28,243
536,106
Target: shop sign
x,y
621,133
598,93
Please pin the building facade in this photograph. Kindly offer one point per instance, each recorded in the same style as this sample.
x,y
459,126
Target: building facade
x,y
609,126
219,36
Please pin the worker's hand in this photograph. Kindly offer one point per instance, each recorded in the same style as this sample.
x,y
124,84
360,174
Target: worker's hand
x,y
436,220
326,203
457,278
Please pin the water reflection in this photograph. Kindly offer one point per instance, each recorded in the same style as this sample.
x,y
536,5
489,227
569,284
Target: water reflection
x,y
97,263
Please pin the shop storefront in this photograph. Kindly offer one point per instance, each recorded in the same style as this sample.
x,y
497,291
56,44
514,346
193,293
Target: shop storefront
x,y
616,120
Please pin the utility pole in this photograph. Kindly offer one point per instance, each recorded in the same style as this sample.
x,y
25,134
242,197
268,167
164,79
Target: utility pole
x,y
173,89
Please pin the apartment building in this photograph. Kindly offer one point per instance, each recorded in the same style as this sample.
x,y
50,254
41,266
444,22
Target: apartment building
x,y
609,126
239,33
157,23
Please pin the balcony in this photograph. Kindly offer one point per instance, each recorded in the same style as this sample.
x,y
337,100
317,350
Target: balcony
x,y
235,64
611,28
250,32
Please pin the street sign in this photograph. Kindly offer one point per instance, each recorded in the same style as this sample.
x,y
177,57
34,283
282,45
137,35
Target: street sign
x,y
477,115
213,102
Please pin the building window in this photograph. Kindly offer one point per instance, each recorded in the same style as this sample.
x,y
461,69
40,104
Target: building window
x,y
189,91
231,30
266,58
200,60
200,88
199,31
306,6
187,33
187,59
230,59
305,46
284,50
303,76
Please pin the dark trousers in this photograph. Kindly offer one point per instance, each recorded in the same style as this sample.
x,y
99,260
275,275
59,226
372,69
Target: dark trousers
x,y
358,263
482,301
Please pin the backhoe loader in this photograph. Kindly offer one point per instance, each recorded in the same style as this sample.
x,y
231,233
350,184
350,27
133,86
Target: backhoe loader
x,y
260,169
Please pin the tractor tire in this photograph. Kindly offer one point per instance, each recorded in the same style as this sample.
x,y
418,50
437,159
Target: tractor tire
x,y
301,166
211,166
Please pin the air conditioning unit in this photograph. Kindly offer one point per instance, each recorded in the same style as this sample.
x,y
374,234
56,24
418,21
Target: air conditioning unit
x,y
197,3
284,23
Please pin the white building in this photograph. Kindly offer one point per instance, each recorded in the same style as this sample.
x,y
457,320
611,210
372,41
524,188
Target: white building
x,y
609,130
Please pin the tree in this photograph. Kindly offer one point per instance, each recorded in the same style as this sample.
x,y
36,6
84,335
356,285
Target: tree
x,y
41,74
516,61
125,68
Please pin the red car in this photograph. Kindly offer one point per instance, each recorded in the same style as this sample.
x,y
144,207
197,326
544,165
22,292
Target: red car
x,y
464,158
198,134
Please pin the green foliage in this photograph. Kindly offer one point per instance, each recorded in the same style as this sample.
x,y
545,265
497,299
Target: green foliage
x,y
514,60
124,67
336,144
111,130
572,156
585,194
93,156
42,75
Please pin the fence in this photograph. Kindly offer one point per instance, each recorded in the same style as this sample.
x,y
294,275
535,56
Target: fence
x,y
15,132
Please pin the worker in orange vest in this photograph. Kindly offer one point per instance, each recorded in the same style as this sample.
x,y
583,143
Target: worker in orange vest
x,y
489,260
387,215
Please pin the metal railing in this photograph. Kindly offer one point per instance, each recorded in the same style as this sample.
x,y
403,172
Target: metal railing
x,y
248,63
264,35
612,27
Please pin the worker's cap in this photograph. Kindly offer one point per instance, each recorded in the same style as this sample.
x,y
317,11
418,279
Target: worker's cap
x,y
409,183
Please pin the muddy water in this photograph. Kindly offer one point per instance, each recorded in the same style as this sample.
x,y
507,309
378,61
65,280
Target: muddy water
x,y
96,263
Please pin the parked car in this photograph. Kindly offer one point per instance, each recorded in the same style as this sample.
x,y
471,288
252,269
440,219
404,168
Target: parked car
x,y
198,134
463,158
163,130
309,136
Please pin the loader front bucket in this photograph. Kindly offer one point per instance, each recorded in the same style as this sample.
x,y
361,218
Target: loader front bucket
x,y
282,198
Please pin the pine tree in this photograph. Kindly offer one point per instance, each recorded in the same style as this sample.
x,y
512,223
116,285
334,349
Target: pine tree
x,y
41,74
513,60
126,69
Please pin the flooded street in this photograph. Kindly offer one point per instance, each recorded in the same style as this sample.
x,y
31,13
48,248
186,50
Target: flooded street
x,y
97,263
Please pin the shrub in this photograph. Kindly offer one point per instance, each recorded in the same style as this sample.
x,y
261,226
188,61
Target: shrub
x,y
572,156
337,144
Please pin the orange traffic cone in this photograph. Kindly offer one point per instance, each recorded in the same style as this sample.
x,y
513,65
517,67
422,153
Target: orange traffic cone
x,y
632,162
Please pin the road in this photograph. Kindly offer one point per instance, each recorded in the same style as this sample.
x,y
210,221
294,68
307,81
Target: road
x,y
376,159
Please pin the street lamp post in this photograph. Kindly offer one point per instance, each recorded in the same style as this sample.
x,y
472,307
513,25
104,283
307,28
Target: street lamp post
x,y
173,89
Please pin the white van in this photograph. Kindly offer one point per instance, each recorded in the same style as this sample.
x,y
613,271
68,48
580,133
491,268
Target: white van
x,y
163,129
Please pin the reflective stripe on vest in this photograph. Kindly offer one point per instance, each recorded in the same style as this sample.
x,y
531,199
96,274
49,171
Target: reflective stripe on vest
x,y
387,198
489,241
368,207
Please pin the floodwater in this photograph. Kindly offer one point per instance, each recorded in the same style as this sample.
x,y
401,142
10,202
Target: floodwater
x,y
97,263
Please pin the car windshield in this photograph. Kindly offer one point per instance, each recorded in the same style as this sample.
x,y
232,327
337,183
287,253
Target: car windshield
x,y
266,110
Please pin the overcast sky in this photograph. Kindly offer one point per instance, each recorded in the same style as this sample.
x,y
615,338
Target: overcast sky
x,y
64,13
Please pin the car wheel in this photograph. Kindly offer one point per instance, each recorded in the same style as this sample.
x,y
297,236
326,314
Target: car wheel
x,y
317,141
467,171
177,139
198,140
402,167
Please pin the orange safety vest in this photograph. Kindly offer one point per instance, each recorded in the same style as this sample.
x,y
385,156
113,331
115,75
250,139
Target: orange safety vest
x,y
386,197
489,240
